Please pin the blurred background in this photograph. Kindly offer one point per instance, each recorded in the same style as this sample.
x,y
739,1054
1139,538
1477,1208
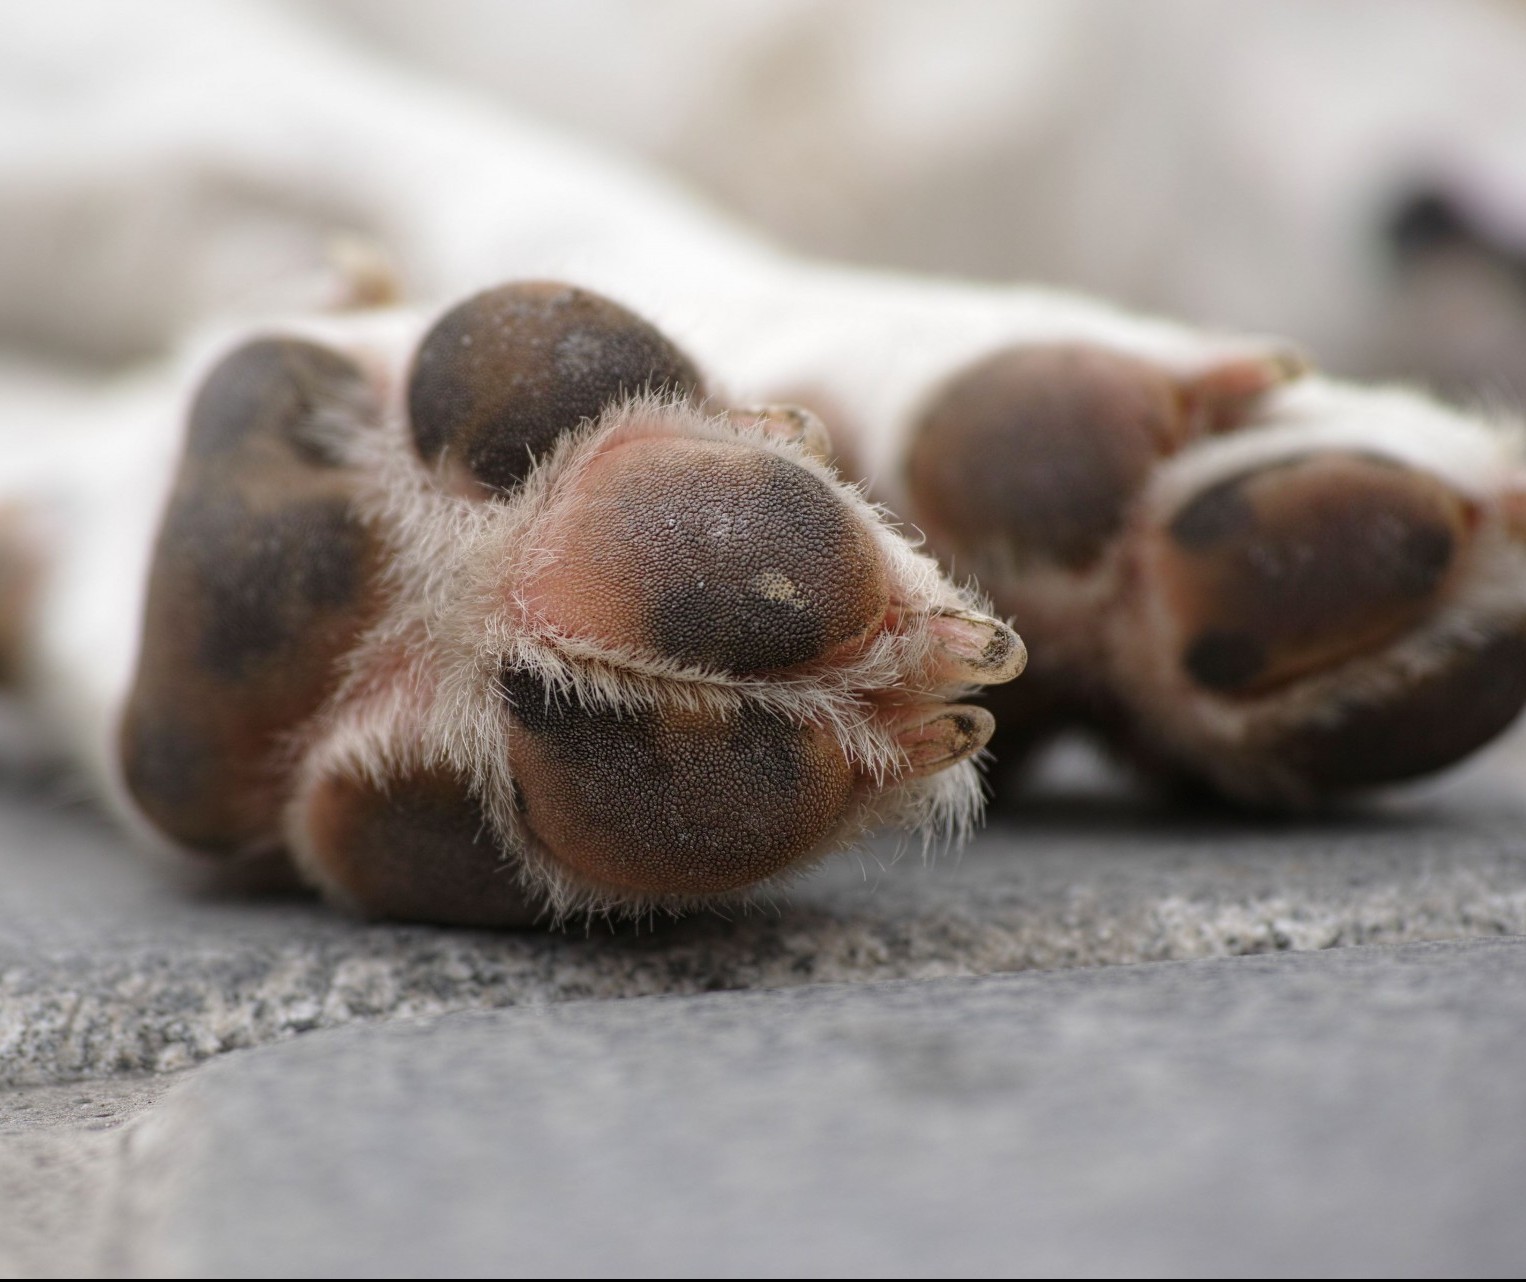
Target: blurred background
x,y
1348,173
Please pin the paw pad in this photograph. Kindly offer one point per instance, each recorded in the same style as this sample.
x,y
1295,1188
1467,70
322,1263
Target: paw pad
x,y
420,848
665,801
712,553
262,578
1467,699
501,376
1297,565
1040,449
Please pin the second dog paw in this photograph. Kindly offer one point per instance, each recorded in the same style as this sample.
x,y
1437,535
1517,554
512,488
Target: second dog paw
x,y
1283,587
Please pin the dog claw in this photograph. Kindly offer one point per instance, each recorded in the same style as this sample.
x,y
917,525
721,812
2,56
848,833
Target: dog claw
x,y
976,648
930,743
789,423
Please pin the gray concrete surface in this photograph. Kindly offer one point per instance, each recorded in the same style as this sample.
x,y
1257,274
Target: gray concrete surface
x,y
1327,1107
1354,1112
110,965
61,1150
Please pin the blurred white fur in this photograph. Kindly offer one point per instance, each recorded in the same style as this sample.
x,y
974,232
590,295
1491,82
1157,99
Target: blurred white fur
x,y
1231,164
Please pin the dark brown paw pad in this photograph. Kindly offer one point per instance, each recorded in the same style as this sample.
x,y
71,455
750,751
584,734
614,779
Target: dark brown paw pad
x,y
663,802
1033,456
503,375
419,849
261,579
711,553
1040,449
1422,724
1292,567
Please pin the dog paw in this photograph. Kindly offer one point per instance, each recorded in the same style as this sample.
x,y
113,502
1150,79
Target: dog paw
x,y
523,622
1277,585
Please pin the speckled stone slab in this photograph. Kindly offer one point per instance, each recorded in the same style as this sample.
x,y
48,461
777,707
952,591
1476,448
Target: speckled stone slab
x,y
111,965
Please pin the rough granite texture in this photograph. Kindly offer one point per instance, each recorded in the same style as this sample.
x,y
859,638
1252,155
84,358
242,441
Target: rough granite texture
x,y
111,965
1345,1113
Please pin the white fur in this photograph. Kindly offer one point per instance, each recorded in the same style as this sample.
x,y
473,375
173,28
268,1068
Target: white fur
x,y
1234,165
